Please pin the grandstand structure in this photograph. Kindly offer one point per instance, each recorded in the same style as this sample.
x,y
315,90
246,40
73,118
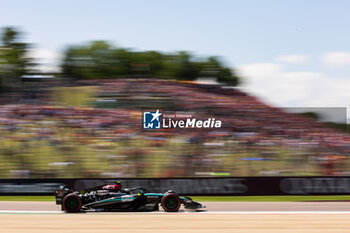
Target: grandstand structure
x,y
102,136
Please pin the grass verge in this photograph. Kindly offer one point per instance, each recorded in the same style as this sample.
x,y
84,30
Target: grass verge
x,y
27,198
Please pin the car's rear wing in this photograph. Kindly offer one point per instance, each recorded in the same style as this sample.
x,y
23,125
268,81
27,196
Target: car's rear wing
x,y
61,192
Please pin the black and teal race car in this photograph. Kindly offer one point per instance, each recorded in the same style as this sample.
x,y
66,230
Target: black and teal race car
x,y
129,199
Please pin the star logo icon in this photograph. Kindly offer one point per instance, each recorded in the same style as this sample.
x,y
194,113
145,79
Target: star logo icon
x,y
156,115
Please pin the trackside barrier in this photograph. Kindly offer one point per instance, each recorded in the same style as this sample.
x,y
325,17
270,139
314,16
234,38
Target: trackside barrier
x,y
192,186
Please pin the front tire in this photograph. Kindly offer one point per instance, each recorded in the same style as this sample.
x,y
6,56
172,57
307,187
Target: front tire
x,y
171,202
72,203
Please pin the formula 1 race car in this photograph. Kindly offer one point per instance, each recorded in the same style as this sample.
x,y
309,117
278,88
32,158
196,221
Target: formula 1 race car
x,y
128,199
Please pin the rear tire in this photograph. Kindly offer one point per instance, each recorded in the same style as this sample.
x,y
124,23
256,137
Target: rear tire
x,y
72,203
171,202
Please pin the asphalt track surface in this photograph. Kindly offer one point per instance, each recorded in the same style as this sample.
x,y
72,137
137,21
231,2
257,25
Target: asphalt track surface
x,y
37,217
211,206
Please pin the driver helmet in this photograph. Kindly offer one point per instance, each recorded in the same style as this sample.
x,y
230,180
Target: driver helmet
x,y
118,184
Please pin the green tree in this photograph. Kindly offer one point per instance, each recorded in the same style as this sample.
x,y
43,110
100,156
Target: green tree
x,y
14,61
100,59
89,61
212,68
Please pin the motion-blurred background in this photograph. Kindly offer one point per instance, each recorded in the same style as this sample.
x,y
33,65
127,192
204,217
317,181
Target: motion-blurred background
x,y
72,96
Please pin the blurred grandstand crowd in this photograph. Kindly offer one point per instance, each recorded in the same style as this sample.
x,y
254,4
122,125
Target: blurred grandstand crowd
x,y
103,137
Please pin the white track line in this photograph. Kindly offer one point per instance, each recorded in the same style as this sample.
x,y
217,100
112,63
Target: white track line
x,y
202,212
275,212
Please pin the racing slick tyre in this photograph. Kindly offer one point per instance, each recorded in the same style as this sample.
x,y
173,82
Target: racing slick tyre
x,y
171,202
72,203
